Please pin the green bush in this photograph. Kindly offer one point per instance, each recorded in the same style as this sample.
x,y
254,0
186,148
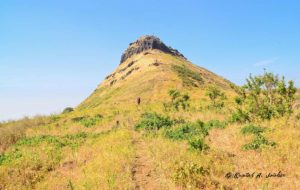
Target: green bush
x,y
154,121
264,97
68,110
88,121
215,124
252,129
197,143
177,101
239,116
216,96
186,131
258,143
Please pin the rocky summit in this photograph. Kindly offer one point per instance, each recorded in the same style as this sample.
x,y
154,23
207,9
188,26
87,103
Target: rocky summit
x,y
145,43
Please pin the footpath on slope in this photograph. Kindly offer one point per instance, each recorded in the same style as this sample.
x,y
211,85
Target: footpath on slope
x,y
142,170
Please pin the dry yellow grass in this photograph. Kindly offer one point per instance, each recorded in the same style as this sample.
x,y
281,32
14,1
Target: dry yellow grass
x,y
103,163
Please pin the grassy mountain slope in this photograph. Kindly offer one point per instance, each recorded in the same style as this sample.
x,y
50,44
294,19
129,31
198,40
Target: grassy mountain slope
x,y
150,75
96,146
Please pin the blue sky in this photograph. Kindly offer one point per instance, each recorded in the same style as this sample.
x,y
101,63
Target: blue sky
x,y
53,53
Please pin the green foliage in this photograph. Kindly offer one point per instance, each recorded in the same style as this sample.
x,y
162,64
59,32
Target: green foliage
x,y
154,121
88,121
193,132
177,101
188,77
216,96
197,143
68,110
57,142
252,129
258,143
12,131
264,97
239,116
215,124
186,131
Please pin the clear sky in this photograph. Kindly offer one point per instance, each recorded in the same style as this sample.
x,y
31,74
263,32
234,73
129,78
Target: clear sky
x,y
53,53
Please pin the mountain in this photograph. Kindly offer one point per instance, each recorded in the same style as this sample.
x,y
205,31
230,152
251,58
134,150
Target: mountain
x,y
148,69
110,141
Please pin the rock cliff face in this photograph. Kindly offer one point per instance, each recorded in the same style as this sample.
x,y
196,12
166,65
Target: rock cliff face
x,y
145,43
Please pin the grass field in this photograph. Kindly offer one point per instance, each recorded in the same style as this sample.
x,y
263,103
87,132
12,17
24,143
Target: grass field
x,y
97,146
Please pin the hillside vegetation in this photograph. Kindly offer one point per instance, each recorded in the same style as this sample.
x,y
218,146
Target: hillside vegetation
x,y
192,130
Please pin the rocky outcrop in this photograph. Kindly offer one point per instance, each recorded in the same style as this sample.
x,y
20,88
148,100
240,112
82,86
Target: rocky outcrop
x,y
145,43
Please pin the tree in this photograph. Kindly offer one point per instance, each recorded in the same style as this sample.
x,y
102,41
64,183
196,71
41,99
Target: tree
x,y
265,96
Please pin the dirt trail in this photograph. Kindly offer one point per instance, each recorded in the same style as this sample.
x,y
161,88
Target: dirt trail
x,y
143,173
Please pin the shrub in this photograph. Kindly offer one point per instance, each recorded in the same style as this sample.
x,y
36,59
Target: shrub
x,y
298,116
68,110
239,116
264,97
88,121
187,130
154,121
197,143
216,96
215,124
258,143
177,101
252,129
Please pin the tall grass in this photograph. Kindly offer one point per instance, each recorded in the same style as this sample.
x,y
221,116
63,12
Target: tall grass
x,y
12,131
